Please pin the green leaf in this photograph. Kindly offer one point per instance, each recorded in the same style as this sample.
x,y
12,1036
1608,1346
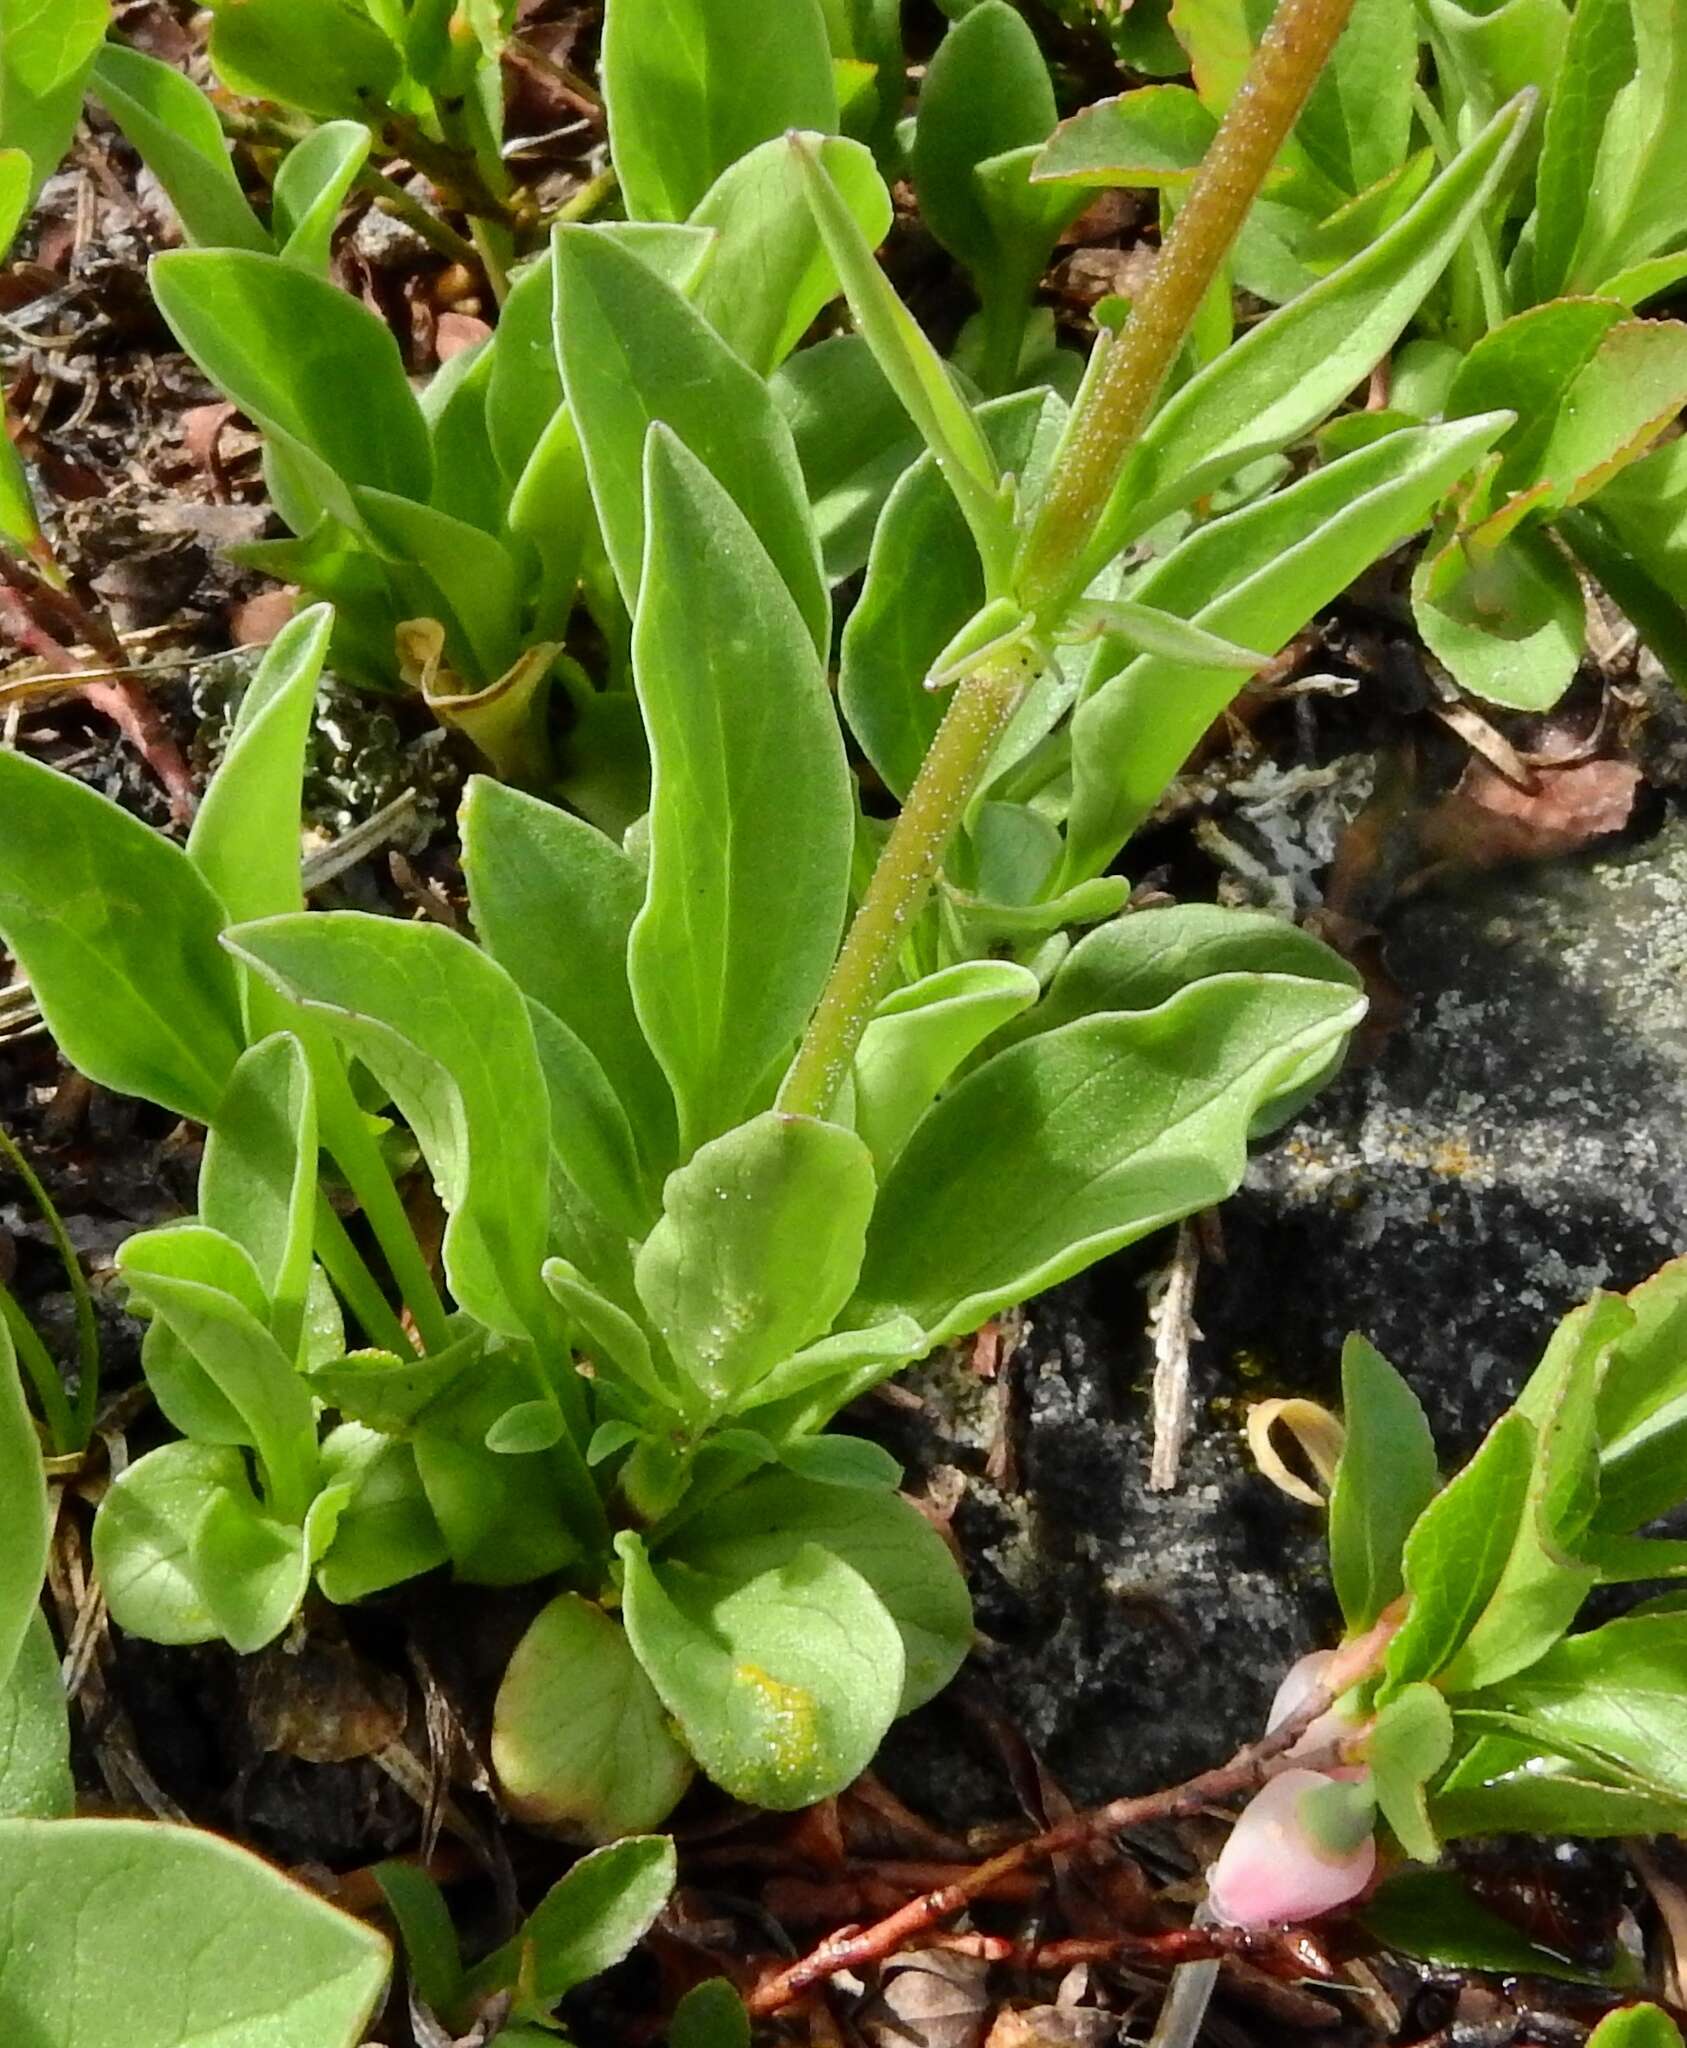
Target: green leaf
x,y
475,575
710,2015
1357,124
257,1184
386,1531
987,90
844,1366
175,130
310,364
447,1034
189,1398
553,901
1642,1412
585,1924
1154,136
1639,522
920,1035
1615,1691
923,584
634,352
118,936
1626,393
1435,1915
841,1461
431,1955
180,1937
143,1537
1544,1582
1598,62
757,1248
252,1570
691,86
1636,197
245,837
311,187
617,1343
387,1392
1528,364
853,440
580,1742
1509,622
1410,1741
1636,2026
768,274
326,56
1145,629
1284,375
1494,52
47,49
1505,1785
1082,1140
1458,1549
35,1780
1255,576
739,928
761,1525
176,1273
591,1138
1386,1477
783,1683
914,370
23,1555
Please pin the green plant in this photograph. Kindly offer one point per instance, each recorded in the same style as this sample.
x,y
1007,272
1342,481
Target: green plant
x,y
597,1089
1537,309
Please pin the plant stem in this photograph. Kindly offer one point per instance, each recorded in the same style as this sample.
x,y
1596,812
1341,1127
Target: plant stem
x,y
87,1328
439,235
35,1359
1119,400
976,719
1249,1768
581,205
1110,416
343,1263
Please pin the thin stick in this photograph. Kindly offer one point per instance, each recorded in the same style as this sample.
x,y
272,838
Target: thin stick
x,y
1245,1772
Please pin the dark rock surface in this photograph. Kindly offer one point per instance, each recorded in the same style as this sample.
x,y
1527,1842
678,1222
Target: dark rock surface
x,y
1521,1140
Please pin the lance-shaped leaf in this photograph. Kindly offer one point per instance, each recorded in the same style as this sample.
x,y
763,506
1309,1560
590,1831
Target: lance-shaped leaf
x,y
757,1248
1598,63
634,352
1386,1477
23,1556
475,575
553,901
691,86
35,1780
853,441
1642,1414
446,1032
1077,1142
175,130
769,273
182,1937
919,1036
309,363
311,187
326,56
118,936
1284,375
1411,1740
739,927
1255,576
783,1684
1154,136
258,1181
47,49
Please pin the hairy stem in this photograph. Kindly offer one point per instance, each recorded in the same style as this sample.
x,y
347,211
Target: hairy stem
x,y
1120,398
1050,571
866,967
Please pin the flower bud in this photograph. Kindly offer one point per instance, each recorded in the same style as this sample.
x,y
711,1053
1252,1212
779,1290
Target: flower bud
x,y
1280,1862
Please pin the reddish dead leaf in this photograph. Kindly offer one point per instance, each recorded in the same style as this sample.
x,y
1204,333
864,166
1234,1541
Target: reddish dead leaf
x,y
256,621
1053,2026
1487,820
458,331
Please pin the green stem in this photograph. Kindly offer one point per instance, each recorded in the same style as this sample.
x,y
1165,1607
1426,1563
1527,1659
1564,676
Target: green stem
x,y
43,1376
1003,337
355,1284
1114,408
87,1328
583,204
1119,400
440,235
976,719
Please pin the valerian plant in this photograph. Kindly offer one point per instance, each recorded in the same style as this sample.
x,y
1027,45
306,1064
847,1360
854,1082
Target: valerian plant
x,y
1538,310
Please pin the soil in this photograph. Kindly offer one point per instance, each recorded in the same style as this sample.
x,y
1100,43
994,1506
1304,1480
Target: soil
x,y
1512,1134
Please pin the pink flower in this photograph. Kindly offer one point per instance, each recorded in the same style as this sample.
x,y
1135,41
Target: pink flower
x,y
1273,1869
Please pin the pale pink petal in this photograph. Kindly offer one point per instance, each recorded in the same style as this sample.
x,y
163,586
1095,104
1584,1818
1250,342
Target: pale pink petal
x,y
1270,1871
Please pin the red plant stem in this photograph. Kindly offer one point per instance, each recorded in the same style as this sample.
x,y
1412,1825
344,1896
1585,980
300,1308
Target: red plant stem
x,y
1246,1771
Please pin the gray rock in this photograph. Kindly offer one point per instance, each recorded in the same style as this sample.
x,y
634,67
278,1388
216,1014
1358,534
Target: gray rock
x,y
1521,1140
